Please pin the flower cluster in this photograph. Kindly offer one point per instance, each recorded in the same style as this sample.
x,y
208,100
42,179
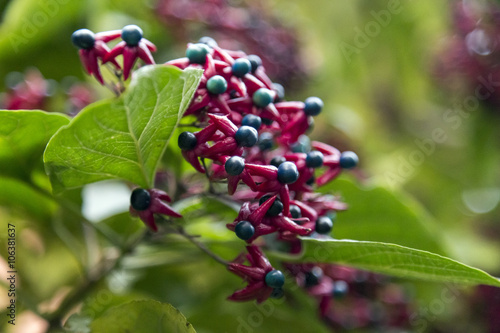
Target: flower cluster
x,y
237,24
31,91
253,137
471,55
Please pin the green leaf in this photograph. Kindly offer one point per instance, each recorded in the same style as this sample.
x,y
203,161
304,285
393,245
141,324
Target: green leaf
x,y
122,138
23,137
380,215
142,317
393,260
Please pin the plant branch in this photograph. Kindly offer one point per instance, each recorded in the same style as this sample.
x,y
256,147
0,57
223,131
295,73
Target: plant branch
x,y
193,239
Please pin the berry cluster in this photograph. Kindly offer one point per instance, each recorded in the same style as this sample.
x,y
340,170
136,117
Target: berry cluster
x,y
252,136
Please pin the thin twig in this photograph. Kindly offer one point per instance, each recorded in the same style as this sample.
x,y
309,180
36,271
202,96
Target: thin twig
x,y
180,230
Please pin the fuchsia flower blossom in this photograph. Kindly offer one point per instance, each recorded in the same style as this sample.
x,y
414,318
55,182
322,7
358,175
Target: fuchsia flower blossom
x,y
93,47
261,277
146,203
132,47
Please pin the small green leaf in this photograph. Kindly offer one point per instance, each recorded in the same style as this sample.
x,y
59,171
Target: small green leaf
x,y
393,260
142,317
23,137
122,138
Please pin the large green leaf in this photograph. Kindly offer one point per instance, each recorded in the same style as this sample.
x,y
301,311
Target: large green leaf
x,y
142,317
122,138
393,260
23,137
377,214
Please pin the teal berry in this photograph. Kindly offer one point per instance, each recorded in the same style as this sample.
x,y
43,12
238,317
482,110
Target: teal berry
x,y
255,61
266,141
302,145
234,166
252,121
324,225
209,41
332,215
244,230
340,289
313,106
295,211
280,92
348,160
262,97
132,35
241,67
275,279
277,160
140,199
196,53
83,39
217,85
275,209
187,141
288,173
246,136
314,159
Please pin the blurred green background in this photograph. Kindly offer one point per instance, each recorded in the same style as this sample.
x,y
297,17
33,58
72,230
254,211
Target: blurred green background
x,y
373,63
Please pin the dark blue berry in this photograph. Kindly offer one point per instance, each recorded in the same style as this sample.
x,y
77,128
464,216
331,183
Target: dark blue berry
x,y
140,199
288,173
187,141
266,121
252,121
303,145
266,141
277,160
324,225
340,289
348,160
295,211
83,39
246,136
216,85
234,165
275,279
244,230
277,293
207,41
196,53
314,159
311,181
280,92
276,207
132,35
262,97
313,277
313,106
241,67
255,61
